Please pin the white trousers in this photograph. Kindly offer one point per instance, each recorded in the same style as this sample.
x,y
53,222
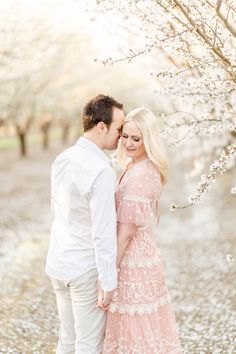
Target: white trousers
x,y
82,325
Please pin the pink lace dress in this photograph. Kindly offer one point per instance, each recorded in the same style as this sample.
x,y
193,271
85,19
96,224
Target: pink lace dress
x,y
140,318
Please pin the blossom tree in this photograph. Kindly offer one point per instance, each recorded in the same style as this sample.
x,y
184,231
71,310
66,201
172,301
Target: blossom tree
x,y
37,62
27,60
196,48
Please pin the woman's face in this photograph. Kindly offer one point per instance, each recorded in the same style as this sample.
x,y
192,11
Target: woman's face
x,y
132,141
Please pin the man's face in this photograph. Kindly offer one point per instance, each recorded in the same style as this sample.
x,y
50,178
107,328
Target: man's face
x,y
114,132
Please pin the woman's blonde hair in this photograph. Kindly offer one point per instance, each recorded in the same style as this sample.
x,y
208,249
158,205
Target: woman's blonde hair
x,y
149,126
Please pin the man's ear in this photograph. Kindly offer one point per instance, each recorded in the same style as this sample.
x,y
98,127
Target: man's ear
x,y
102,127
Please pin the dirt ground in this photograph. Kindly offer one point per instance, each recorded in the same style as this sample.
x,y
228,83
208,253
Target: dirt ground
x,y
198,245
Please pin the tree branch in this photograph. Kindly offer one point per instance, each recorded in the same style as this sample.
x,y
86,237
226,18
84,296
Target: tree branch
x,y
216,50
224,19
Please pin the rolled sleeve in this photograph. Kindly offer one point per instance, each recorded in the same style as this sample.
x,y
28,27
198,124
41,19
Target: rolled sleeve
x,y
103,219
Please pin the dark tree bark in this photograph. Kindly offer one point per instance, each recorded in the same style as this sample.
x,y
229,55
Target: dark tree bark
x,y
45,128
65,132
21,133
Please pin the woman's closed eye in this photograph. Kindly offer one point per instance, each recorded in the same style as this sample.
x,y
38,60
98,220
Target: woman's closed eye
x,y
125,136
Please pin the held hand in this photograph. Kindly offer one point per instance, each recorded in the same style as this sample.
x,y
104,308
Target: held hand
x,y
107,298
100,293
104,298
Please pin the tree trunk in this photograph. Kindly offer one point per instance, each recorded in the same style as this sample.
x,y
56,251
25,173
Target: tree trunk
x,y
45,126
45,130
65,132
21,133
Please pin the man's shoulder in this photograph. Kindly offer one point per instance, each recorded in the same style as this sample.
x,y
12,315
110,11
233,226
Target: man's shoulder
x,y
65,154
93,163
82,159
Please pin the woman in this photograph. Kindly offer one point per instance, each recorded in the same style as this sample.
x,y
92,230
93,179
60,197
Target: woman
x,y
140,318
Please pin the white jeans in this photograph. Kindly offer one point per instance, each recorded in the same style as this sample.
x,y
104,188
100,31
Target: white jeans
x,y
82,325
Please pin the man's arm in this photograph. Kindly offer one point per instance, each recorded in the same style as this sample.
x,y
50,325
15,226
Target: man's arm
x,y
103,220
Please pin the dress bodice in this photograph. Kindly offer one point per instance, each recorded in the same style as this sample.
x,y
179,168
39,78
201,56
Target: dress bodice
x,y
137,195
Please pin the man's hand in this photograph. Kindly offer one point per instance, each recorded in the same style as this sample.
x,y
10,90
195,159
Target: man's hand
x,y
104,298
100,296
107,298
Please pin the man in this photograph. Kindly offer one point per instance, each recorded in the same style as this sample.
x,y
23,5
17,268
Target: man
x,y
82,250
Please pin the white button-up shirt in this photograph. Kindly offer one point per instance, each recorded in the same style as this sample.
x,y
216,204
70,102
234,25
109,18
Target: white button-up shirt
x,y
83,234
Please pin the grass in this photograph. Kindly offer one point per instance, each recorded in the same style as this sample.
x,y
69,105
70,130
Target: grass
x,y
8,142
32,138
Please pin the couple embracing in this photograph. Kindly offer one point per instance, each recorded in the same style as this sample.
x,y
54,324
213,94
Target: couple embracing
x,y
105,267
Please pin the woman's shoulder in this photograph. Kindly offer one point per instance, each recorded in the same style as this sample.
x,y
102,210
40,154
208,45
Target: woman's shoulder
x,y
149,169
144,181
144,171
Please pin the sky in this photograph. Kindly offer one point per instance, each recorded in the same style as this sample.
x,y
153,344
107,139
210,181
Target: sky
x,y
108,35
71,16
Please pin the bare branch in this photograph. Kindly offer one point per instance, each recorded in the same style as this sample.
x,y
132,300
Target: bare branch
x,y
225,21
216,50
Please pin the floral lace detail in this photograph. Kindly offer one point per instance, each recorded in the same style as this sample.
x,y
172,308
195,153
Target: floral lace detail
x,y
139,263
145,175
142,251
137,199
136,212
140,319
131,309
145,338
140,286
137,195
122,348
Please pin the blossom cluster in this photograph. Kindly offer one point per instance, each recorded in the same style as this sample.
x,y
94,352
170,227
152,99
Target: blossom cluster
x,y
218,166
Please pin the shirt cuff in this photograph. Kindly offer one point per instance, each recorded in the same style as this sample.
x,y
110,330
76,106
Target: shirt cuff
x,y
110,283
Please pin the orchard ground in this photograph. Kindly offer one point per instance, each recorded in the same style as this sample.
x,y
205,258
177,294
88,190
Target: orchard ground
x,y
198,245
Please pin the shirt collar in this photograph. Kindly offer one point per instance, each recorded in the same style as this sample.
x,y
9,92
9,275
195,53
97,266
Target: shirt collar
x,y
88,144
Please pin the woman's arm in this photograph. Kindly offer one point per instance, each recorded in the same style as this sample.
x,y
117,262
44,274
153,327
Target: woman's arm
x,y
125,232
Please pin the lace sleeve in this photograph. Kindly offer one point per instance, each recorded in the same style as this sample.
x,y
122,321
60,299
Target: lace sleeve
x,y
139,202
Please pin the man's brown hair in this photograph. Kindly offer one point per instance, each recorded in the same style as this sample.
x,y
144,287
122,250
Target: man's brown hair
x,y
99,109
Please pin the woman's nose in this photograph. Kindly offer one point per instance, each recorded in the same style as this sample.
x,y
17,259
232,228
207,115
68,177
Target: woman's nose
x,y
129,143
